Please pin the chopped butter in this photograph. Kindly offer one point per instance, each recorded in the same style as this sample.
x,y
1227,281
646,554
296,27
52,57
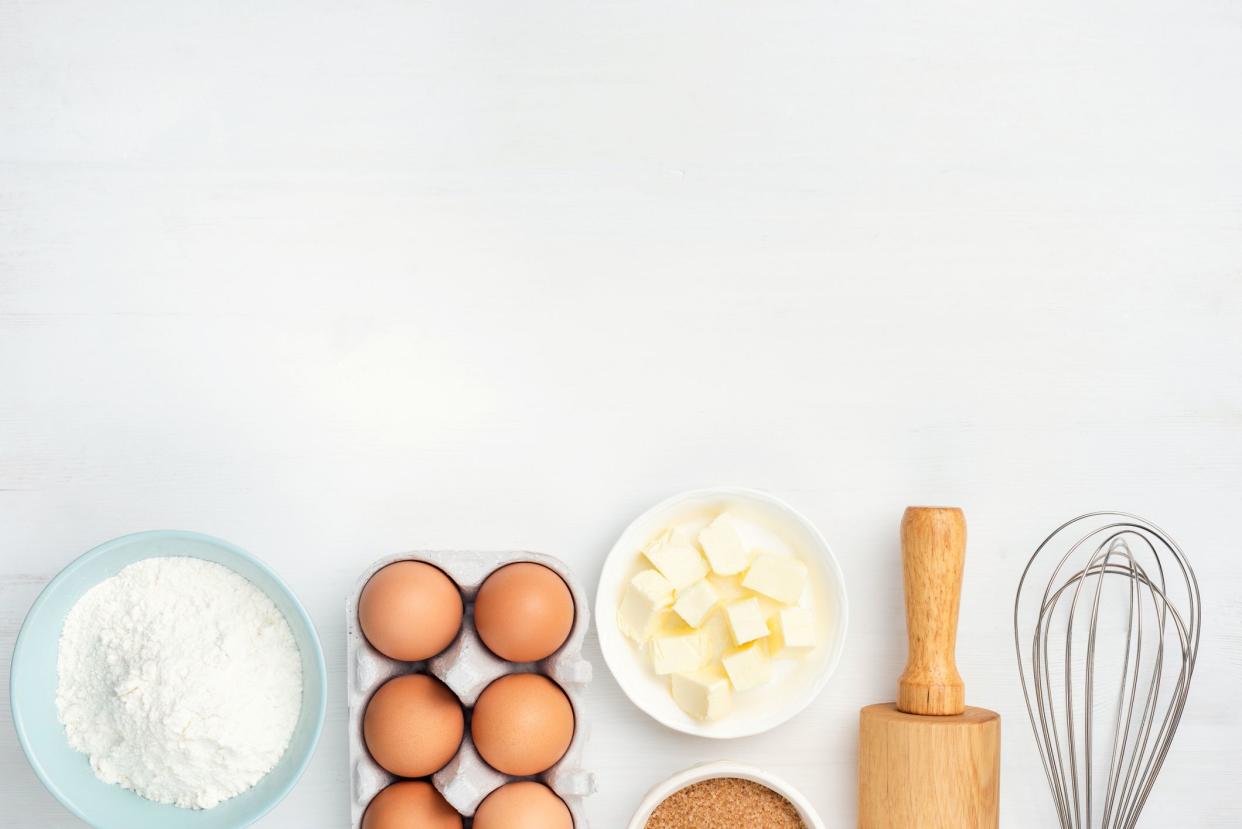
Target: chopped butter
x,y
728,588
677,559
716,634
646,598
746,621
723,546
695,602
679,653
748,667
704,695
782,578
793,632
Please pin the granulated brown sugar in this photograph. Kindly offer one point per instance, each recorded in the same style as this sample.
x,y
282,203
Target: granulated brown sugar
x,y
725,803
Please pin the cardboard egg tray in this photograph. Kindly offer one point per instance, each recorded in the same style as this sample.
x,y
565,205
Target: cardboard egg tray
x,y
467,667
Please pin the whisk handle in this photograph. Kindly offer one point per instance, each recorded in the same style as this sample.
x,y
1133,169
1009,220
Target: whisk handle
x,y
933,550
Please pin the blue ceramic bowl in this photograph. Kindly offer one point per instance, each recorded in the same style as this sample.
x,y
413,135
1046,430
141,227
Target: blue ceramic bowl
x,y
67,773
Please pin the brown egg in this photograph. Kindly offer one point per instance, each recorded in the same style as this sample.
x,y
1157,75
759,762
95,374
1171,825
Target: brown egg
x,y
411,804
522,724
524,612
413,725
410,610
523,805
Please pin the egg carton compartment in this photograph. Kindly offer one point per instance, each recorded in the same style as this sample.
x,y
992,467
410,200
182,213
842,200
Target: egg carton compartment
x,y
467,667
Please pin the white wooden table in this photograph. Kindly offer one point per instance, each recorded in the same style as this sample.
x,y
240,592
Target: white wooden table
x,y
333,280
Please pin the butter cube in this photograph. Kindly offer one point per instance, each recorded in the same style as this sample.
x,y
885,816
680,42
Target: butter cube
x,y
769,608
748,667
646,598
704,695
793,632
746,622
723,546
716,635
678,653
695,602
782,578
728,588
677,559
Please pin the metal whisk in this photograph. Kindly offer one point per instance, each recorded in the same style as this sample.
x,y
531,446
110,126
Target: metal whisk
x,y
1108,584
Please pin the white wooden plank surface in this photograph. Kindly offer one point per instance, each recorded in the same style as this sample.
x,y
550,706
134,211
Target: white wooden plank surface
x,y
334,279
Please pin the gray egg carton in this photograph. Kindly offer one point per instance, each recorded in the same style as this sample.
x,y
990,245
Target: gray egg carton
x,y
467,667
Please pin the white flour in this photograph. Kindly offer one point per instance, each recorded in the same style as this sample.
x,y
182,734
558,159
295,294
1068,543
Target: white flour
x,y
180,680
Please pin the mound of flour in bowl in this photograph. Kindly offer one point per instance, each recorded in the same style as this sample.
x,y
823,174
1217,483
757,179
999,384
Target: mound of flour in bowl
x,y
180,680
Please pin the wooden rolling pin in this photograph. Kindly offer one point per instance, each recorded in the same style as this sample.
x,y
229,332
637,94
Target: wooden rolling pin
x,y
928,761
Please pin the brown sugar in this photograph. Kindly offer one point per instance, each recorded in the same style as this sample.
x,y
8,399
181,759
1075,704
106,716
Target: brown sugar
x,y
725,803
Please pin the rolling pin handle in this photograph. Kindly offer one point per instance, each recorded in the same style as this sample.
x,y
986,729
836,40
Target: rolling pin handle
x,y
933,551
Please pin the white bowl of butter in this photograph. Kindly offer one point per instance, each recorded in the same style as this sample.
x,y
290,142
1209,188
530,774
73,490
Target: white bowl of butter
x,y
722,612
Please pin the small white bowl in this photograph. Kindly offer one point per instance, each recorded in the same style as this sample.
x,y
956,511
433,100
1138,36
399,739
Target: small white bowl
x,y
710,771
796,683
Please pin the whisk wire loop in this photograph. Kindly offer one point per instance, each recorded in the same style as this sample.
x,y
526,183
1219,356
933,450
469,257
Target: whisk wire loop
x,y
1101,778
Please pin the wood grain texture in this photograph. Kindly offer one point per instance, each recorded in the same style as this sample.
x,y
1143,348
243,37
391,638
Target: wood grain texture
x,y
920,772
933,553
338,279
927,761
